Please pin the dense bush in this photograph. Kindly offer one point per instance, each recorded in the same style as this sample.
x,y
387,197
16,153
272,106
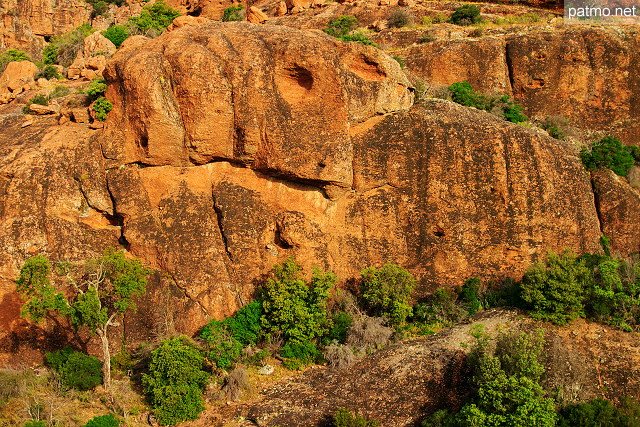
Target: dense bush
x,y
96,88
599,413
294,308
386,292
399,18
224,349
300,353
100,7
556,288
467,14
157,17
470,295
175,381
233,13
341,26
340,324
48,72
226,338
101,107
108,420
506,376
358,38
345,418
116,34
12,55
608,153
77,370
463,93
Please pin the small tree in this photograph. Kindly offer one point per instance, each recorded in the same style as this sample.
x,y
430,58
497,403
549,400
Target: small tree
x,y
387,291
102,290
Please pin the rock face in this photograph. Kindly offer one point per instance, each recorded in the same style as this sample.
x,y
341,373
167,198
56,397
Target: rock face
x,y
25,23
233,146
589,75
618,208
90,62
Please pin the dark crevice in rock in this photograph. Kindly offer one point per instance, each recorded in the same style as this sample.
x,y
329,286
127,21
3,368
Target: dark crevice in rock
x,y
186,294
122,240
596,201
509,61
220,218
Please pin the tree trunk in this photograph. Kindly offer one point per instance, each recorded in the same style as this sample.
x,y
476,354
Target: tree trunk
x,y
106,355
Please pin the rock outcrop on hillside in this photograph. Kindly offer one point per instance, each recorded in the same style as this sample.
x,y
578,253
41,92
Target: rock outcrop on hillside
x,y
234,146
590,75
401,384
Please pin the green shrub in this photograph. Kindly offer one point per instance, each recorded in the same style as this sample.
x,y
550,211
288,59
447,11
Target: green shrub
x,y
599,413
175,381
440,18
157,16
341,26
511,111
77,370
102,106
48,72
469,294
463,94
507,379
341,322
38,423
556,288
50,54
39,99
96,88
223,349
441,307
12,55
245,326
467,14
345,418
399,18
608,153
387,291
304,353
116,34
556,126
296,309
359,38
108,420
233,13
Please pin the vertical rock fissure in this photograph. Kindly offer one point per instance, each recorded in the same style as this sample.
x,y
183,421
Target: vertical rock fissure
x,y
509,61
220,219
122,240
596,203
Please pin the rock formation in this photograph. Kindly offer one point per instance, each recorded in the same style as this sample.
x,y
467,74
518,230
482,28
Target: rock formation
x,y
232,146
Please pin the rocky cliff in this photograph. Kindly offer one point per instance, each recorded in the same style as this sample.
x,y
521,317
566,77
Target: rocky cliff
x,y
233,146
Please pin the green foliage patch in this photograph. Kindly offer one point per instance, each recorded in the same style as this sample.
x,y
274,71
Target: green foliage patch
x,y
108,420
77,370
345,418
467,14
233,13
12,55
175,381
157,17
341,26
463,94
63,49
117,34
101,107
386,292
609,153
358,38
